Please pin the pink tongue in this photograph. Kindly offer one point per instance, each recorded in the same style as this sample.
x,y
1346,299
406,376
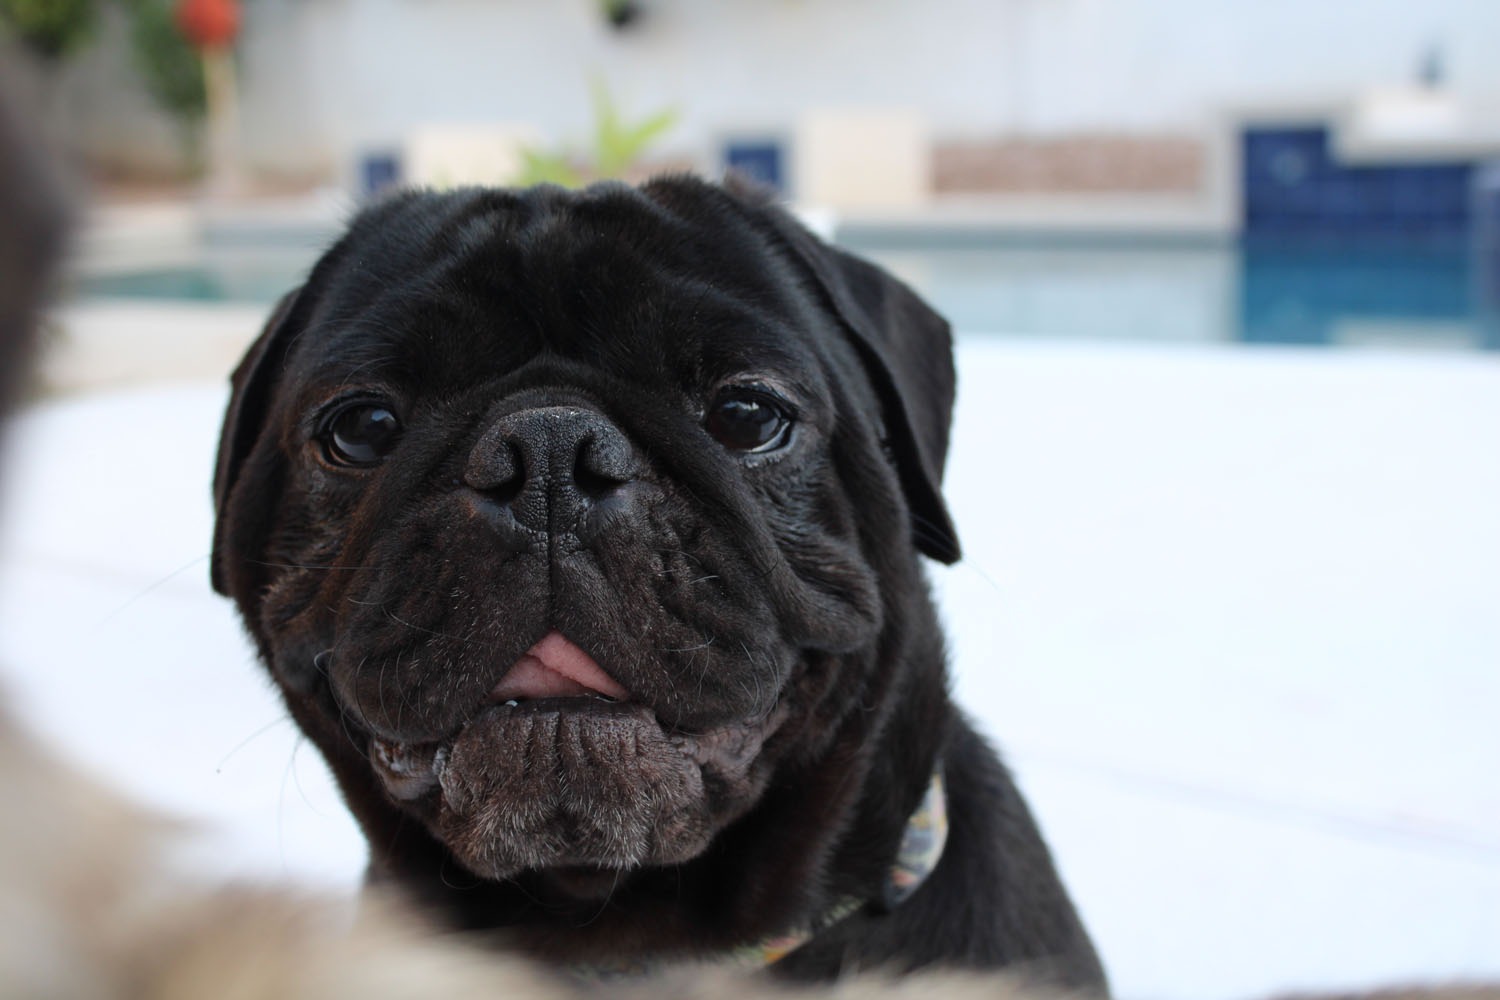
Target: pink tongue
x,y
555,668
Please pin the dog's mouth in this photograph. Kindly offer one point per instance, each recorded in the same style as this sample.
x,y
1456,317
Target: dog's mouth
x,y
556,668
561,767
555,675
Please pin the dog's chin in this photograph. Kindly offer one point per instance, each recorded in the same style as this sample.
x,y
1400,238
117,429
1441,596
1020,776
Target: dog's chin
x,y
579,788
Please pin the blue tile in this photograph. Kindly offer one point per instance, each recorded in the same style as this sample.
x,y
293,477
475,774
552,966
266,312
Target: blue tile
x,y
760,161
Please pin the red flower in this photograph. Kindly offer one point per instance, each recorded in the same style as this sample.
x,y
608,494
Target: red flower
x,y
208,24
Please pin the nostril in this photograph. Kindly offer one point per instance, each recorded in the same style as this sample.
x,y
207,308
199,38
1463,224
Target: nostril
x,y
505,493
594,485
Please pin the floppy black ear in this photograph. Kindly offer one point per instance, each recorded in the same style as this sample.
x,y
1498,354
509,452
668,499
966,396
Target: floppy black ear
x,y
907,349
250,393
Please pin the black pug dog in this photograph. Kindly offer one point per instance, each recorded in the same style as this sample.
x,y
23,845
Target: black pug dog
x,y
581,532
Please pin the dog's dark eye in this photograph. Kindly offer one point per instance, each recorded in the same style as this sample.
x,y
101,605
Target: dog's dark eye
x,y
748,420
362,434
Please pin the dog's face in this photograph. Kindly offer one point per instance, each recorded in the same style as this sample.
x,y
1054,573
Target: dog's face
x,y
565,520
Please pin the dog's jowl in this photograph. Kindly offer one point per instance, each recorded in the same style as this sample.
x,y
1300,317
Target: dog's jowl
x,y
582,533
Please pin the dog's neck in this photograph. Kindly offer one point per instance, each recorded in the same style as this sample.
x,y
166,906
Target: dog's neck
x,y
921,848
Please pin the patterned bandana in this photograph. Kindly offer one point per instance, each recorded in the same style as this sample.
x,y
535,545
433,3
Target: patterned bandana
x,y
921,848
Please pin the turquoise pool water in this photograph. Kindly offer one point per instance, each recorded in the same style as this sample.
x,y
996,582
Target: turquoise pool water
x,y
1418,297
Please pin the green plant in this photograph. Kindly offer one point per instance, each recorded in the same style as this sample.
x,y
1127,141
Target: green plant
x,y
50,28
549,168
618,146
170,66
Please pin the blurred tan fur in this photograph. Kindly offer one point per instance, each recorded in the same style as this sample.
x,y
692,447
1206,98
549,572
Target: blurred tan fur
x,y
91,909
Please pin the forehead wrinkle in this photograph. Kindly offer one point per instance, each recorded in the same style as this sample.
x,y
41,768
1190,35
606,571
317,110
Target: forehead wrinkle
x,y
365,365
739,330
385,321
380,341
422,249
464,221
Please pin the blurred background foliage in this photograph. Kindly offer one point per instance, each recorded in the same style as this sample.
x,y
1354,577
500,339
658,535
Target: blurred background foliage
x,y
618,146
169,65
50,28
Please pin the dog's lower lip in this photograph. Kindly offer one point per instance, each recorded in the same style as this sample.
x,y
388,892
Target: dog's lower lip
x,y
410,771
410,763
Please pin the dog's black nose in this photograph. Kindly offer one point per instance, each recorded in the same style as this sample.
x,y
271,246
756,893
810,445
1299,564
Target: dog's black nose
x,y
548,466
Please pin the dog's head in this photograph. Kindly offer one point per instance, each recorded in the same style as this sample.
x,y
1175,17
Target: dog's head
x,y
564,520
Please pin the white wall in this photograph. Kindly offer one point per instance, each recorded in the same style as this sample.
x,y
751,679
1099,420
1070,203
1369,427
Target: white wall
x,y
324,78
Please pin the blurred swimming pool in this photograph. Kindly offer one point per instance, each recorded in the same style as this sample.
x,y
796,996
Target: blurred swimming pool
x,y
1438,297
